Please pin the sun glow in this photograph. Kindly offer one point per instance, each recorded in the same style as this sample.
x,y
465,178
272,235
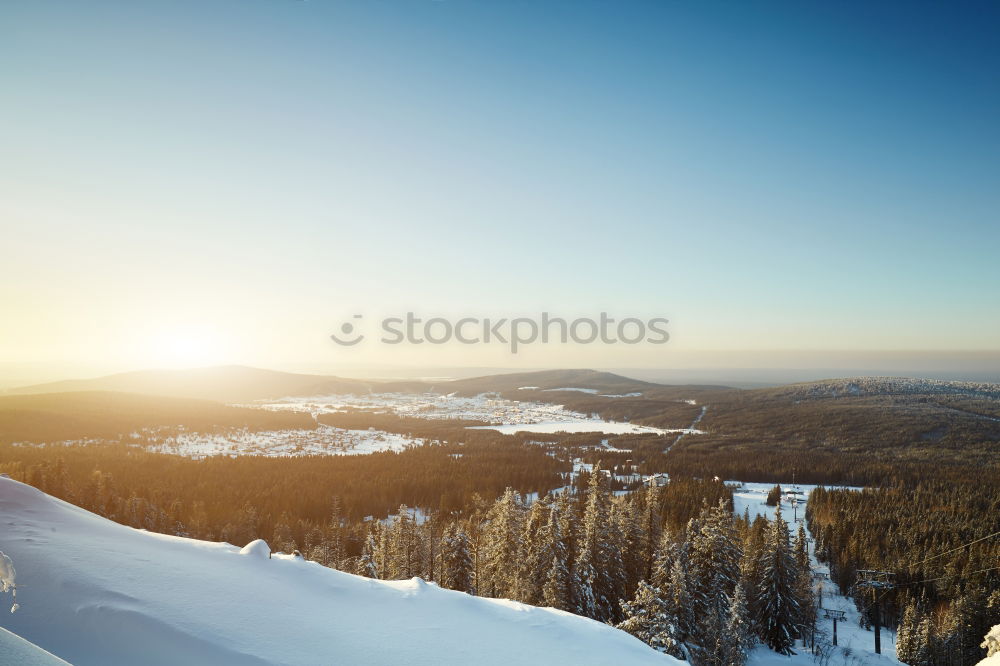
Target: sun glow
x,y
185,346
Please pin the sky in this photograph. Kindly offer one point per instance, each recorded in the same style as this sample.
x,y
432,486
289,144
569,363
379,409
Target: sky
x,y
227,181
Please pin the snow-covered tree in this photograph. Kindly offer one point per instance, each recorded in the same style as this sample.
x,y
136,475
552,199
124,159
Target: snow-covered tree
x,y
679,604
599,564
537,559
561,585
738,637
992,642
908,637
7,578
652,523
647,618
403,556
778,603
713,574
368,562
804,585
502,546
456,560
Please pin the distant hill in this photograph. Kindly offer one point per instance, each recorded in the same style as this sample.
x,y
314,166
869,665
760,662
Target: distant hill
x,y
602,382
887,420
53,417
224,384
235,384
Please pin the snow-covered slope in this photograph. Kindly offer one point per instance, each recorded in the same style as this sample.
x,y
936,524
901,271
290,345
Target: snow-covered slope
x,y
16,650
95,592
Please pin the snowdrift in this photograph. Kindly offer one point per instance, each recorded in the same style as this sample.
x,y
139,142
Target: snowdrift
x,y
95,592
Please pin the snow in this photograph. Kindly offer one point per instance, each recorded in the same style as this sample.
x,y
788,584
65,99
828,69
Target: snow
x,y
485,407
992,645
323,440
95,592
856,645
16,650
257,548
584,425
506,416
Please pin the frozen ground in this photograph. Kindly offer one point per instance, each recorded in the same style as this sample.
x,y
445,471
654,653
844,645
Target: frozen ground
x,y
324,440
584,425
506,416
856,646
95,592
14,650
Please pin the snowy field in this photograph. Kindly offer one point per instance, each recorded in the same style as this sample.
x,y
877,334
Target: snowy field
x,y
97,593
324,440
856,646
584,425
506,416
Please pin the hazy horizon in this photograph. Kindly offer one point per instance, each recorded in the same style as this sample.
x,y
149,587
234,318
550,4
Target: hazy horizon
x,y
769,369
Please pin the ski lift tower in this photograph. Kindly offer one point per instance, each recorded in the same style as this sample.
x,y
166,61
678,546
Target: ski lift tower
x,y
835,615
869,579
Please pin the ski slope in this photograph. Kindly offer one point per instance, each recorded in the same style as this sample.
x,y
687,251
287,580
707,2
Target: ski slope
x,y
95,592
856,645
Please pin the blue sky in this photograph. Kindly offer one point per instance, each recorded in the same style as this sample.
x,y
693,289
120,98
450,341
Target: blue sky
x,y
779,175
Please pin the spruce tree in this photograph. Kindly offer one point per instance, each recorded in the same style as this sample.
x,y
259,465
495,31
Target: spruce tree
x,y
367,564
714,572
561,585
456,570
778,607
652,523
538,554
502,546
738,637
599,563
907,637
804,586
679,604
647,618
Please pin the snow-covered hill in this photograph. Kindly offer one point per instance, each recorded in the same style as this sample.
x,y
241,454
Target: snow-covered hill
x,y
95,592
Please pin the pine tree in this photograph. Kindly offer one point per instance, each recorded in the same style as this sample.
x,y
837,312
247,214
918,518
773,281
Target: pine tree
x,y
779,606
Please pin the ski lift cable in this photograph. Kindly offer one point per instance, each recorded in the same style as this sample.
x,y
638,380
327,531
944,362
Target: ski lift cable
x,y
931,580
934,557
